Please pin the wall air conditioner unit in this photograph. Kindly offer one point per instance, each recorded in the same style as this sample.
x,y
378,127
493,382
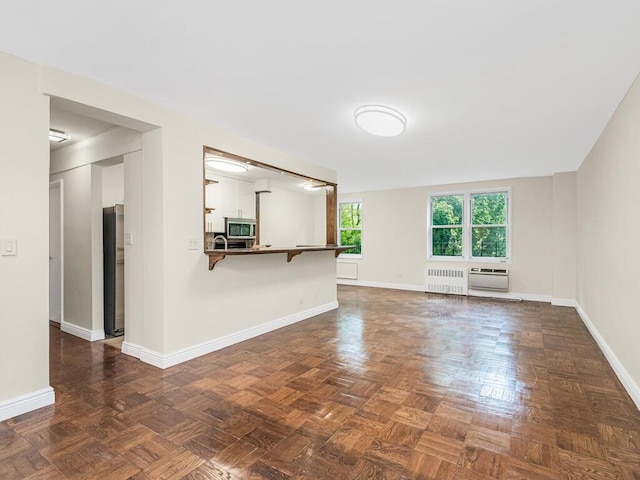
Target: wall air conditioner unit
x,y
490,279
446,280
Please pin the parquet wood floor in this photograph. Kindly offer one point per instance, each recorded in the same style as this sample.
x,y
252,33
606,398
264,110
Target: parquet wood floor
x,y
393,385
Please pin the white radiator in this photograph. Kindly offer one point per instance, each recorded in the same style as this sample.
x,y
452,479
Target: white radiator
x,y
446,280
493,279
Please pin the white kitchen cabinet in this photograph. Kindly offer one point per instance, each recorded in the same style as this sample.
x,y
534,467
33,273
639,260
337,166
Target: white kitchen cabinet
x,y
231,198
246,199
214,219
228,195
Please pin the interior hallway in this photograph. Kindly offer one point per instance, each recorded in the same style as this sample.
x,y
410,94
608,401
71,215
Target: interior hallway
x,y
394,384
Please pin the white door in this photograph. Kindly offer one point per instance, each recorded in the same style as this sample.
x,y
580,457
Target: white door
x,y
55,252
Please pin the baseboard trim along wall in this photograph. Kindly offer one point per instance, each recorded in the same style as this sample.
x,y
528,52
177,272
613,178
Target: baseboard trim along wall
x,y
84,333
632,388
563,302
169,360
529,297
392,286
472,293
131,349
26,403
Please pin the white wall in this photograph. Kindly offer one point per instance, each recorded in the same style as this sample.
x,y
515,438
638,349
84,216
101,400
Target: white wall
x,y
394,235
288,218
96,254
564,238
184,303
24,214
134,253
110,144
608,230
201,305
81,234
113,185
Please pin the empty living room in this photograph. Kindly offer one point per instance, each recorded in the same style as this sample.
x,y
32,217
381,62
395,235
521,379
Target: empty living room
x,y
284,240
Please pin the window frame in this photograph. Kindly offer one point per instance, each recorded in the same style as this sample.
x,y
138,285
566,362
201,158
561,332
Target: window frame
x,y
467,227
461,225
340,229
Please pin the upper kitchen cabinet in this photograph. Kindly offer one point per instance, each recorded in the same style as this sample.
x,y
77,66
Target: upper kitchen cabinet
x,y
227,197
245,204
238,199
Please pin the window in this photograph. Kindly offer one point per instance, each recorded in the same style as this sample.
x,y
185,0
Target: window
x,y
447,226
489,225
350,227
469,226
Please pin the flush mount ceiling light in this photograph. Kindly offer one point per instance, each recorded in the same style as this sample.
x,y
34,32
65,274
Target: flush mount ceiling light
x,y
58,136
380,120
226,165
312,186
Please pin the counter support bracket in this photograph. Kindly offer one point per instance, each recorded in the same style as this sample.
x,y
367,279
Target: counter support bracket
x,y
213,259
291,254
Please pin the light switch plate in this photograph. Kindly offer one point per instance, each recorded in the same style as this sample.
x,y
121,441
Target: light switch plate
x,y
128,238
194,244
8,247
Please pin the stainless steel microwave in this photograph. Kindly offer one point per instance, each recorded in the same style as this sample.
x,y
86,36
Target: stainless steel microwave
x,y
240,228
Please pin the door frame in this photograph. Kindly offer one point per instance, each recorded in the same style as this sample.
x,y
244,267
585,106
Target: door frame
x,y
59,184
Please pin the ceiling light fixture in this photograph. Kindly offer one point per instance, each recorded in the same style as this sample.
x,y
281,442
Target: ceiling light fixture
x,y
380,120
226,165
58,136
312,187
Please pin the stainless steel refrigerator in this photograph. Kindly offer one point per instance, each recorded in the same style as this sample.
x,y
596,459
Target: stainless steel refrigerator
x,y
113,236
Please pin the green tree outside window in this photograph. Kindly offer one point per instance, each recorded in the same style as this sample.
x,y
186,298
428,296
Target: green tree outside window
x,y
489,224
481,232
351,226
447,217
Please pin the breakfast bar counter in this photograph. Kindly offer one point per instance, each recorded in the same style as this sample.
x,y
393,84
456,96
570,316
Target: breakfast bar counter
x,y
216,255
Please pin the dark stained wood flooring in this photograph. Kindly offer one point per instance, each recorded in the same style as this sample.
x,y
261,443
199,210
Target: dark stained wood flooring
x,y
393,385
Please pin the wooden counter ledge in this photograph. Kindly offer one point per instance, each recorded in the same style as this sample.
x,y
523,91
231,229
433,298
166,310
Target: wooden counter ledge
x,y
216,255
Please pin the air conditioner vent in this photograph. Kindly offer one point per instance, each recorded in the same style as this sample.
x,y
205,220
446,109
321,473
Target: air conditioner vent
x,y
492,279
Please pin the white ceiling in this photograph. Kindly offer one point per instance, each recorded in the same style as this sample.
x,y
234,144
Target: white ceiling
x,y
78,126
491,89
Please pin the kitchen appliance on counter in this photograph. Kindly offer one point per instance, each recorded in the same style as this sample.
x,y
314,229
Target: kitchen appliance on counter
x,y
215,241
240,228
113,247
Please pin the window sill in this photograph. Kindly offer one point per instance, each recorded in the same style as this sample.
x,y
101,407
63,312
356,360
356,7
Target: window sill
x,y
469,260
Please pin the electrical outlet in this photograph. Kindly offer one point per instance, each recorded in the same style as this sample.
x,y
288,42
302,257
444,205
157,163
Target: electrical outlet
x,y
194,244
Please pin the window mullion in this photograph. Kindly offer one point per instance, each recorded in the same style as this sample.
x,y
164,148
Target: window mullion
x,y
466,231
488,225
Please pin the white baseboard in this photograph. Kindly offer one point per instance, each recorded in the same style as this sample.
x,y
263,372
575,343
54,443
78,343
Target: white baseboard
x,y
132,349
471,293
160,360
563,302
84,333
392,286
632,388
530,297
26,403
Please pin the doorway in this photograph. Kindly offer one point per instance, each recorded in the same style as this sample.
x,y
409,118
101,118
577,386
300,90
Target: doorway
x,y
56,241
